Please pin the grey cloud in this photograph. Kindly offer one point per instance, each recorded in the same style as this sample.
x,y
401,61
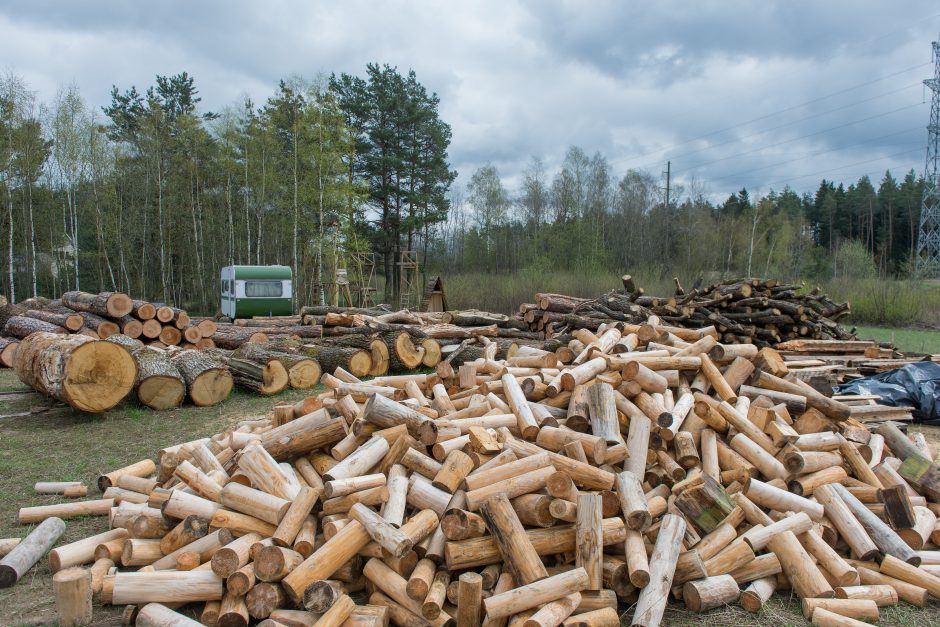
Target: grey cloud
x,y
639,82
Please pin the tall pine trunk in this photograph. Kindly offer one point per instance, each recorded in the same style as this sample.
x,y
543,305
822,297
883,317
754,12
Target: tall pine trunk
x,y
32,234
10,243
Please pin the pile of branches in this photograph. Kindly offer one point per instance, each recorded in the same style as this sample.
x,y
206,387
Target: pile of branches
x,y
764,312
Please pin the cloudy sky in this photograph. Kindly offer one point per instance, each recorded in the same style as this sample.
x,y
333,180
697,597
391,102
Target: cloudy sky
x,y
733,93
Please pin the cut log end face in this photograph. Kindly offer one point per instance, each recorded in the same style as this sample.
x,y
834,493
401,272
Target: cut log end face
x,y
304,375
380,358
360,363
274,378
211,387
98,376
161,392
408,354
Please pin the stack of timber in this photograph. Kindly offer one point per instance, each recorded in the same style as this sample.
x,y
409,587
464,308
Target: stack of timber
x,y
95,375
369,342
542,488
744,311
101,316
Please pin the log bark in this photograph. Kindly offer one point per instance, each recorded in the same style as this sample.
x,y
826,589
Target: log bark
x,y
21,327
88,375
356,361
110,304
25,554
262,377
67,319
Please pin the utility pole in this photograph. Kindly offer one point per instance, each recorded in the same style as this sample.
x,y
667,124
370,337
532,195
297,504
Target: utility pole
x,y
668,172
927,261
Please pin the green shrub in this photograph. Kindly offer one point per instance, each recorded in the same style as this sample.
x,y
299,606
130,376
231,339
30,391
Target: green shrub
x,y
888,302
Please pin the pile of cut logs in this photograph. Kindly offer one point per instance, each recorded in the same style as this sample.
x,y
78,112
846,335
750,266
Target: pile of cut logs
x,y
759,311
524,487
95,376
100,316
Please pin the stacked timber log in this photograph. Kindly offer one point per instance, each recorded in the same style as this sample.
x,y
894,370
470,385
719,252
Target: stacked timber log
x,y
366,344
759,311
95,375
101,316
540,488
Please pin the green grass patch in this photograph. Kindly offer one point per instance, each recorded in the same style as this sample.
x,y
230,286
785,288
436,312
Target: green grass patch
x,y
906,340
887,302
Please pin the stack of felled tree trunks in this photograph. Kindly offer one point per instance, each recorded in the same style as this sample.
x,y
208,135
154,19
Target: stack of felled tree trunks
x,y
541,488
759,311
366,342
101,316
108,345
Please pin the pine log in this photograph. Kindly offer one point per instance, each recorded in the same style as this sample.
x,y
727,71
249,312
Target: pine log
x,y
208,382
166,586
516,548
72,590
302,372
159,382
25,554
402,353
143,310
170,335
22,327
356,361
109,304
230,337
89,375
8,346
263,377
70,320
652,602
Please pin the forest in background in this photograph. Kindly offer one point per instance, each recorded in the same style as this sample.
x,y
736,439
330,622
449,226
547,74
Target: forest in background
x,y
152,195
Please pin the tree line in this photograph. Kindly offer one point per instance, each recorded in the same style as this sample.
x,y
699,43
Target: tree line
x,y
584,218
152,195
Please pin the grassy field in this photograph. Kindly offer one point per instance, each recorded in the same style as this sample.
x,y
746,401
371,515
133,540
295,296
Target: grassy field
x,y
911,340
59,444
63,445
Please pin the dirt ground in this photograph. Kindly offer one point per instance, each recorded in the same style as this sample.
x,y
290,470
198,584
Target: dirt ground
x,y
58,444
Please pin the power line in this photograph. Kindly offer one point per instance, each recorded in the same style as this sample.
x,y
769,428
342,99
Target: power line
x,y
821,132
745,173
772,114
792,122
848,165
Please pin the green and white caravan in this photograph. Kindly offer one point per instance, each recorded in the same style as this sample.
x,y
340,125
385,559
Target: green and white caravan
x,y
257,291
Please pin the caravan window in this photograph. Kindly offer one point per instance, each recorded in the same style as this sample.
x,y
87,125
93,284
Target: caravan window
x,y
263,289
